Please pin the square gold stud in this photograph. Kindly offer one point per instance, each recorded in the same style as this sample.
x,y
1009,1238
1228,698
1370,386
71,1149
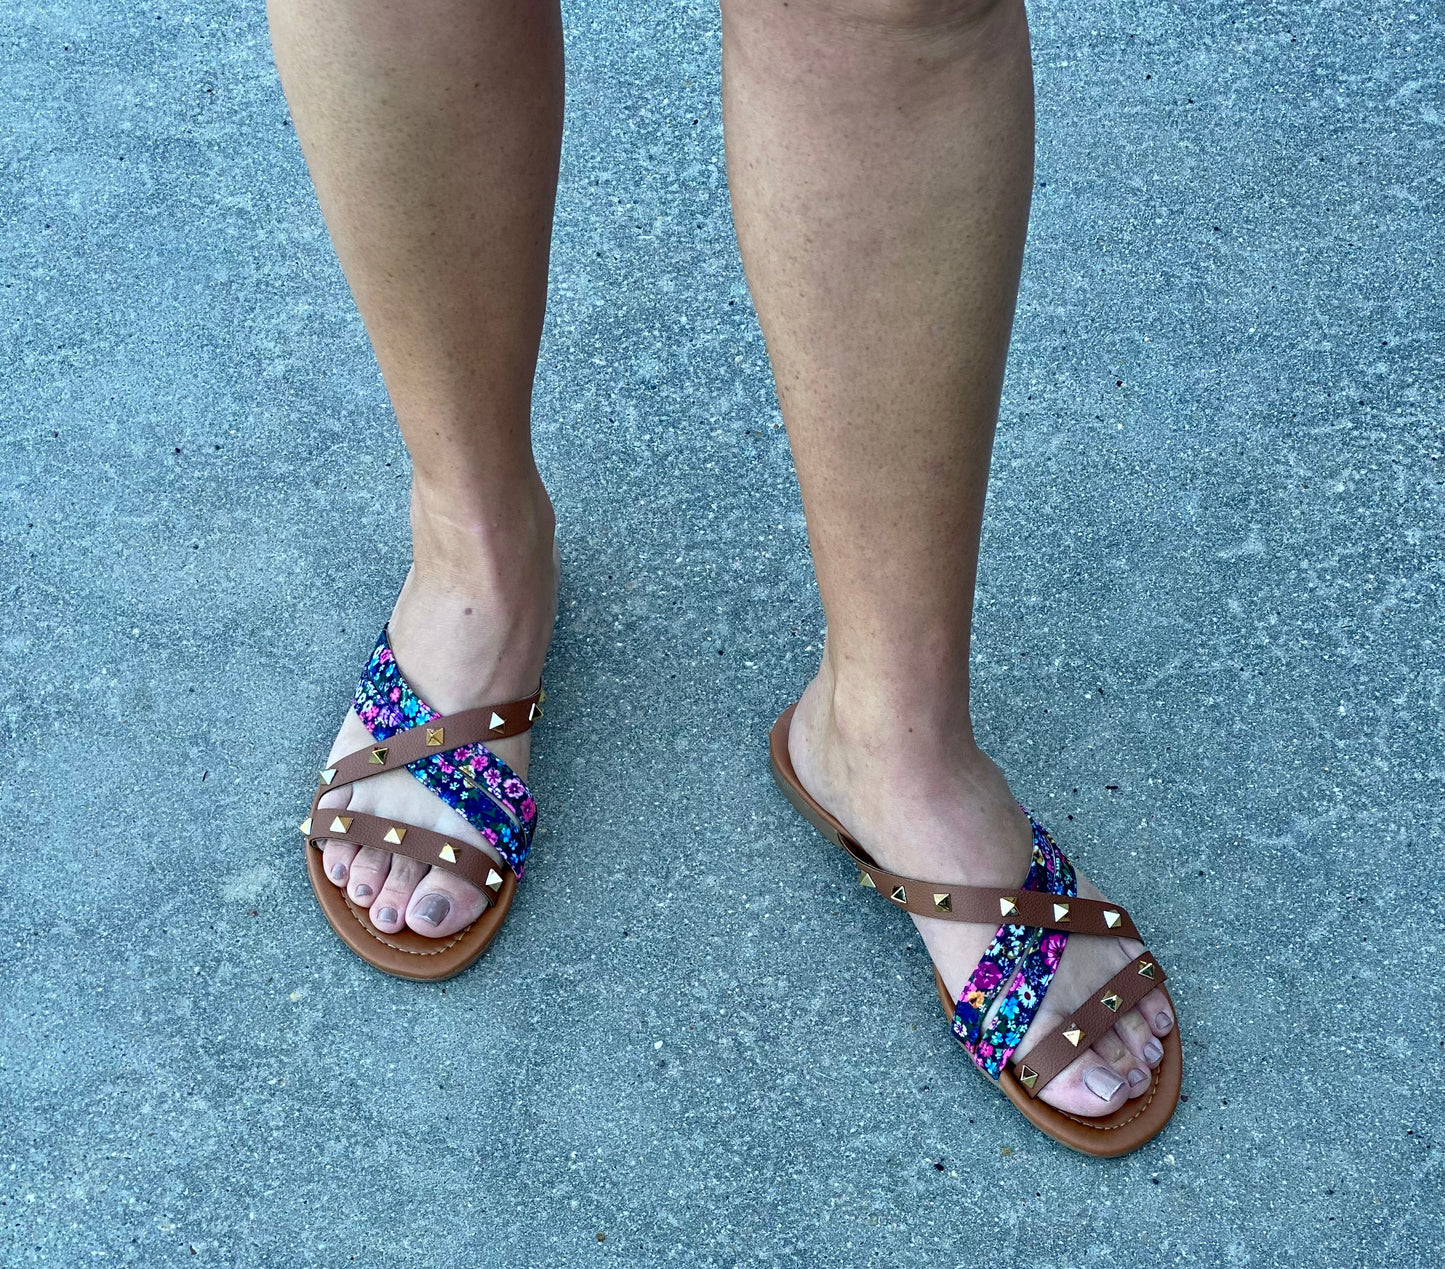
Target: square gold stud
x,y
899,895
1112,919
436,735
1146,969
1061,912
306,826
497,722
341,824
328,775
865,880
378,756
494,880
394,834
447,853
1028,1077
943,903
1008,907
1111,1002
1074,1035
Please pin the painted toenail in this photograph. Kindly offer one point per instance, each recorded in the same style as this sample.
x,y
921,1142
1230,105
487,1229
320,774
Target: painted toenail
x,y
1137,1077
338,872
386,916
1152,1051
1103,1083
434,908
1163,1021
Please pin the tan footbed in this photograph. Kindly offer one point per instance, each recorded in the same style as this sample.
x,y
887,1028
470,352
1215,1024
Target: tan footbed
x,y
1124,1130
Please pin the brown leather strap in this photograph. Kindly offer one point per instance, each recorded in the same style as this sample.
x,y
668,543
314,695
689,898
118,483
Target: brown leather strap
x,y
447,731
990,906
360,829
1089,1021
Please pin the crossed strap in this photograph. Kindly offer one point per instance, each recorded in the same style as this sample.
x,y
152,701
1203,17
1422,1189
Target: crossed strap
x,y
1019,965
446,753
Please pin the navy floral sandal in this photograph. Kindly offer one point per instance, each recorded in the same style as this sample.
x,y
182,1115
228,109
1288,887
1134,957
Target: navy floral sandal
x,y
1016,971
447,754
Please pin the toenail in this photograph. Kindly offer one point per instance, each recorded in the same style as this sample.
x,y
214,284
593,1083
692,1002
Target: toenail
x,y
1163,1021
386,916
1103,1083
1137,1077
434,908
362,891
338,872
1152,1051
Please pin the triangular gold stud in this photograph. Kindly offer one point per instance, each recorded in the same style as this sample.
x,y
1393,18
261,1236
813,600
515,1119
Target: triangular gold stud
x,y
1111,918
328,775
447,853
341,824
1146,969
378,756
1111,1002
436,735
306,826
497,721
942,903
1073,1035
1061,912
1008,907
534,713
899,895
541,696
1028,1077
394,834
865,880
494,880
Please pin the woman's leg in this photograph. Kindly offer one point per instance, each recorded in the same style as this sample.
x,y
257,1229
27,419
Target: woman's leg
x,y
432,132
880,154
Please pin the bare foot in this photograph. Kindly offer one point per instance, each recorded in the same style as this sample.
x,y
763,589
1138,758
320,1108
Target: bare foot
x,y
936,807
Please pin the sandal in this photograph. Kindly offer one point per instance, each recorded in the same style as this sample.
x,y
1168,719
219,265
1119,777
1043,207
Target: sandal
x,y
444,752
1023,956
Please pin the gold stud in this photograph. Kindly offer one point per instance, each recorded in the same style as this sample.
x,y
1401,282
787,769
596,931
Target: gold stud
x,y
541,696
1028,1077
468,782
448,853
497,721
435,735
1061,912
864,879
534,713
1111,1002
328,775
341,824
1008,907
494,880
1146,968
306,826
942,903
1111,918
378,756
394,834
1074,1035
899,895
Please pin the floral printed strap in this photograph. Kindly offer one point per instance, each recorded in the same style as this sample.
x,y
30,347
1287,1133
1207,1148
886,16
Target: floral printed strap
x,y
470,779
1026,957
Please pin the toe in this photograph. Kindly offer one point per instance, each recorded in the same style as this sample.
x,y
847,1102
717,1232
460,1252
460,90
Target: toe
x,y
1088,1086
443,904
1157,1012
368,875
388,909
336,860
1134,1031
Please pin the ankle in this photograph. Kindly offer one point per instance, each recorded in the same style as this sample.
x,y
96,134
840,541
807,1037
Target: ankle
x,y
499,544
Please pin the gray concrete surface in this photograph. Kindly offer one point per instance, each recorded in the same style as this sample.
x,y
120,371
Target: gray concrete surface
x,y
1209,654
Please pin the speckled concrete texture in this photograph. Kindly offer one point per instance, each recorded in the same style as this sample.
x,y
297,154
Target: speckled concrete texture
x,y
1208,654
